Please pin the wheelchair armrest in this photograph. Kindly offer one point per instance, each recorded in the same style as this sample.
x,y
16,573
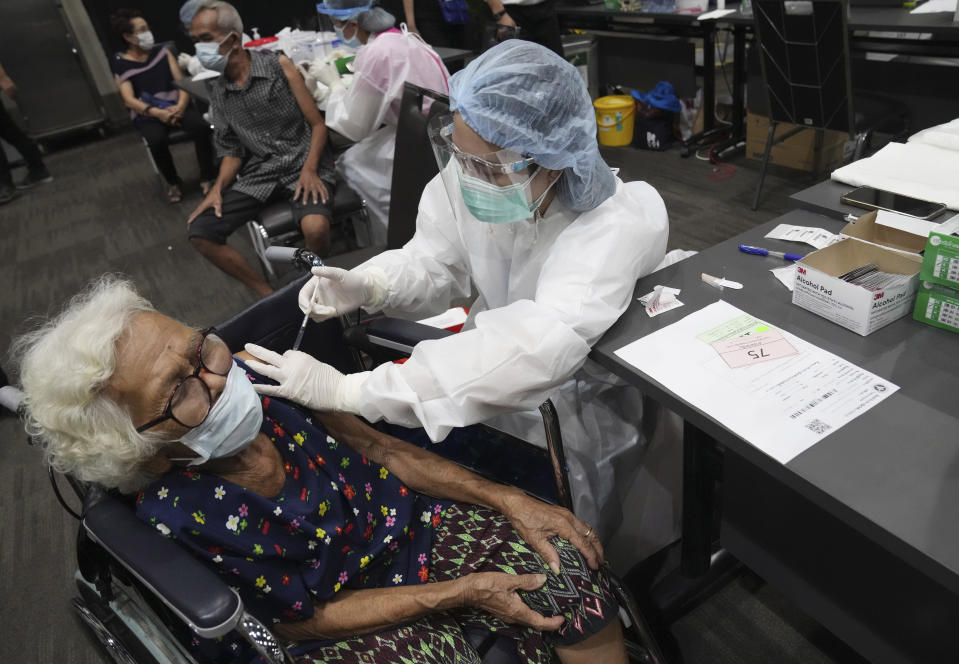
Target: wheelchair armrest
x,y
190,589
392,333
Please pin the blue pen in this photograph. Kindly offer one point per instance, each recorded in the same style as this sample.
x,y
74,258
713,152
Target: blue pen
x,y
759,251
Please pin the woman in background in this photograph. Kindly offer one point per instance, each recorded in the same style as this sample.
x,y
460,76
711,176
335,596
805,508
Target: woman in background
x,y
145,75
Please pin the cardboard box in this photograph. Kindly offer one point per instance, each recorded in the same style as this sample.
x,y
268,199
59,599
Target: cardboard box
x,y
797,151
819,289
937,305
940,265
866,229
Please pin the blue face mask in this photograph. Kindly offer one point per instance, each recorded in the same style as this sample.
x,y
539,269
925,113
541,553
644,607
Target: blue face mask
x,y
352,42
232,424
499,205
208,53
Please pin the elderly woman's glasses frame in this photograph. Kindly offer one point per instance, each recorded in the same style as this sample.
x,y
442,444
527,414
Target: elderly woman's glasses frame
x,y
181,406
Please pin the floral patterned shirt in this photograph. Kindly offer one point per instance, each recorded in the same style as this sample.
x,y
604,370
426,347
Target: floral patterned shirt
x,y
340,521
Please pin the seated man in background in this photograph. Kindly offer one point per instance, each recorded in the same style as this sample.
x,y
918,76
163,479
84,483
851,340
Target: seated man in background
x,y
272,141
329,528
146,74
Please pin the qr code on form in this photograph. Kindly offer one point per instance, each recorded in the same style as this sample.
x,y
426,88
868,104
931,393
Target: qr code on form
x,y
817,426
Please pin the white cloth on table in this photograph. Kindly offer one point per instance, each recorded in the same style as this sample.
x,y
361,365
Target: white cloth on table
x,y
942,136
913,169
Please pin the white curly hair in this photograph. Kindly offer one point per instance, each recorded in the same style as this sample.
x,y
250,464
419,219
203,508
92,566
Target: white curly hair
x,y
64,366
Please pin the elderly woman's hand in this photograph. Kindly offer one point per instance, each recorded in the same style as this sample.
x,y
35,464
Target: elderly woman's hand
x,y
495,593
537,522
305,380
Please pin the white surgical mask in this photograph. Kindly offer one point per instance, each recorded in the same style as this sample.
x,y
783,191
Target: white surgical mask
x,y
208,53
233,421
352,42
145,40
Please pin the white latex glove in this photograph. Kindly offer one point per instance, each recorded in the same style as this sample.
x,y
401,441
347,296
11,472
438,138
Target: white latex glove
x,y
327,74
320,93
307,381
335,292
193,66
184,61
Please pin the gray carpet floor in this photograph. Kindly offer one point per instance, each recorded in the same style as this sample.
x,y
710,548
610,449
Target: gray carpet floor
x,y
105,212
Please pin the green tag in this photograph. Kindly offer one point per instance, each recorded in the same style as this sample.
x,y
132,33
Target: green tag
x,y
737,327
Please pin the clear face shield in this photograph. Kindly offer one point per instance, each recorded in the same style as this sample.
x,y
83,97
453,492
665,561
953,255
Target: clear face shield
x,y
496,187
335,21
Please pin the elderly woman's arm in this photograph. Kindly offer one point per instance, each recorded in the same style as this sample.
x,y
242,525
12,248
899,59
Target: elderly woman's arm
x,y
353,612
433,475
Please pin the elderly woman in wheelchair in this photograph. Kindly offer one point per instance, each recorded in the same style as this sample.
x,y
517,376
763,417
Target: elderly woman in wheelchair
x,y
332,532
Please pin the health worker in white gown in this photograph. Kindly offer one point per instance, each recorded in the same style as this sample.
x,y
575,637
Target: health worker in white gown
x,y
367,111
526,208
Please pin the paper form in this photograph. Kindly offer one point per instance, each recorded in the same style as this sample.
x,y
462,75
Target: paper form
x,y
817,237
782,406
934,6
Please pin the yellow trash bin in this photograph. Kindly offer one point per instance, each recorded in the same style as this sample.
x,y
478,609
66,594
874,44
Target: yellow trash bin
x,y
614,118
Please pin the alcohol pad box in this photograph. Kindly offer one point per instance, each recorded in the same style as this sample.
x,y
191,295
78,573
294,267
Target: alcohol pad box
x,y
937,305
819,289
940,264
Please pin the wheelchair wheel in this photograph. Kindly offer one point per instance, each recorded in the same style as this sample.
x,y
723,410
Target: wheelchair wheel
x,y
111,645
127,631
638,654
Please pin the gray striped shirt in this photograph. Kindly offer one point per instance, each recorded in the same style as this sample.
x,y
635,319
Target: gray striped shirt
x,y
262,121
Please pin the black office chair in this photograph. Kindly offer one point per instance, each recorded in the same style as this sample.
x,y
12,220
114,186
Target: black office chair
x,y
140,612
804,55
413,166
274,225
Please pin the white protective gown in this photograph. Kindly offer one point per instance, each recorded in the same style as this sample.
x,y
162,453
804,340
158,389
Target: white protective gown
x,y
381,68
547,292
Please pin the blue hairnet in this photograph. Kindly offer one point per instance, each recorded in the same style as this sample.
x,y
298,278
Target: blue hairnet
x,y
367,16
523,97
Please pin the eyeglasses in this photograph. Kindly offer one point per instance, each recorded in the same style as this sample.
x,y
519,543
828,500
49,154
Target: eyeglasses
x,y
491,164
501,168
191,400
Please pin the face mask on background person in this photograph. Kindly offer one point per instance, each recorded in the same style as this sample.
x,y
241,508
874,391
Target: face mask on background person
x,y
208,53
145,40
233,421
499,205
352,42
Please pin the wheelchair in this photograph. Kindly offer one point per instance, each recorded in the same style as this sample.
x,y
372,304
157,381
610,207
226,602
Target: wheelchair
x,y
144,597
